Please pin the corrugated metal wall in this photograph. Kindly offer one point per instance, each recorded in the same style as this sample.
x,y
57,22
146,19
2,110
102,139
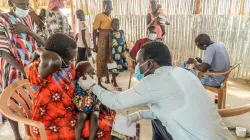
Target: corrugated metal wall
x,y
227,21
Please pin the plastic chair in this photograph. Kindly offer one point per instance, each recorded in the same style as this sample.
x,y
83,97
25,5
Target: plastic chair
x,y
19,110
131,63
235,111
222,90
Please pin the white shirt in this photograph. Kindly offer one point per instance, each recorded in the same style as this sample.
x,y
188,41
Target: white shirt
x,y
175,97
83,26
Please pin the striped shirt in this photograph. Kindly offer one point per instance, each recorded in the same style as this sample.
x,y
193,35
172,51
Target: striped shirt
x,y
20,46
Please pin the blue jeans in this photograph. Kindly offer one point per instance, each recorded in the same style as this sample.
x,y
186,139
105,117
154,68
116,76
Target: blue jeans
x,y
206,80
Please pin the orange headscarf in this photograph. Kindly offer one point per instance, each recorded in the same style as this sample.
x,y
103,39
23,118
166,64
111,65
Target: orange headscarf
x,y
55,3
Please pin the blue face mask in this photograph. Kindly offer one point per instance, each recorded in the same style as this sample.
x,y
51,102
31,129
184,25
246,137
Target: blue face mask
x,y
138,74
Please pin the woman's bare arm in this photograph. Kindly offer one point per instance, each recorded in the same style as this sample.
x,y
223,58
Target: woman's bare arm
x,y
50,62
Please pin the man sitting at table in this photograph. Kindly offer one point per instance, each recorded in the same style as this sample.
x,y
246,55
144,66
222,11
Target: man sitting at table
x,y
151,36
216,59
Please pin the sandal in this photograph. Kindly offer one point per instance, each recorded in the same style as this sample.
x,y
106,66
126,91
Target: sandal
x,y
117,88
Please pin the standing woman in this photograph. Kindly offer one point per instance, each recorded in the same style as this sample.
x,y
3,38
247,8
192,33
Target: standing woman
x,y
152,20
56,22
103,24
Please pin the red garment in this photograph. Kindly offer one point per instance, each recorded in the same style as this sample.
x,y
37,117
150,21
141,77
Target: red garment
x,y
53,105
139,43
158,28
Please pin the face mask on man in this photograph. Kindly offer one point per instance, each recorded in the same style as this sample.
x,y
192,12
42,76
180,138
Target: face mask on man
x,y
20,13
138,74
152,36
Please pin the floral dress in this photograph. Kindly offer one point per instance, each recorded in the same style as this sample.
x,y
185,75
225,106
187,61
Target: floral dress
x,y
54,107
52,103
118,51
84,100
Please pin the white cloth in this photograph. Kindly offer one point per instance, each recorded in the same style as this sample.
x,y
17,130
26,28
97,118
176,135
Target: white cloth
x,y
175,97
83,26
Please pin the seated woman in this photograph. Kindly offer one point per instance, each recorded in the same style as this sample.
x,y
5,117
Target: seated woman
x,y
51,74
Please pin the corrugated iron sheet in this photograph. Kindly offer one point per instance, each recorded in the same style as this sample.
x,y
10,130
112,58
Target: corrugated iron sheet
x,y
223,23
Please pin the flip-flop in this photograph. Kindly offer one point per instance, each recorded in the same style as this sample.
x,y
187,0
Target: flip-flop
x,y
117,88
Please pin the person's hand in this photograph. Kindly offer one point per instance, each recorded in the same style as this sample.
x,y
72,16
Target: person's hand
x,y
132,118
105,108
199,59
19,28
36,54
110,60
191,61
86,83
97,107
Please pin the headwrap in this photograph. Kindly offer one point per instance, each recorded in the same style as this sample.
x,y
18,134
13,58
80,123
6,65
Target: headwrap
x,y
55,3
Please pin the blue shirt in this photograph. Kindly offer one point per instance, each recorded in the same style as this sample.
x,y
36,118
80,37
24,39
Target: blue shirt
x,y
216,56
177,98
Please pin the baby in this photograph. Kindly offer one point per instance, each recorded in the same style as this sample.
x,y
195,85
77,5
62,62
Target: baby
x,y
86,103
162,19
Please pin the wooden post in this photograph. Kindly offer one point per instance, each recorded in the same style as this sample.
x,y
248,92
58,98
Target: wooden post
x,y
86,7
242,7
217,7
72,15
229,10
197,8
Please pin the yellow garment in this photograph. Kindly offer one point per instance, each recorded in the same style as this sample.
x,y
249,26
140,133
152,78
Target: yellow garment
x,y
102,21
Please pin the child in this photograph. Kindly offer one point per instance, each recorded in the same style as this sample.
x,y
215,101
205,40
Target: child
x,y
162,19
83,42
41,31
86,103
42,14
117,51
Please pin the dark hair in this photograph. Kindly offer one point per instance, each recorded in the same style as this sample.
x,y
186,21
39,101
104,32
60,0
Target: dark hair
x,y
157,51
61,44
159,6
43,10
150,28
82,66
151,1
203,39
80,12
115,19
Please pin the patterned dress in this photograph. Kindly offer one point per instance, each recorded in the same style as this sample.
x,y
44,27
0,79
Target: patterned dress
x,y
20,46
118,52
54,107
52,103
57,23
84,100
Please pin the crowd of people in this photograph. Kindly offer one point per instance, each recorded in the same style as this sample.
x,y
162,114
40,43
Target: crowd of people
x,y
71,105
